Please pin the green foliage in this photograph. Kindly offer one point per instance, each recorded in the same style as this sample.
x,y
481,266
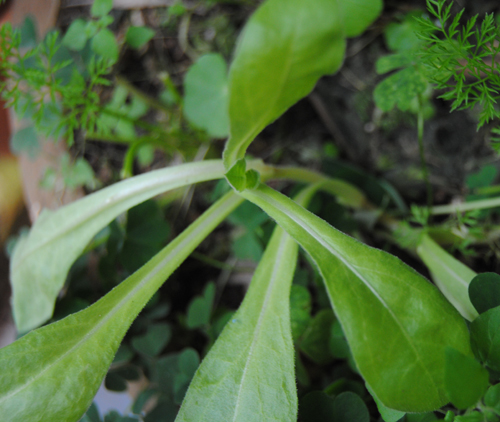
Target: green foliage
x,y
146,234
465,379
485,338
315,340
138,36
47,86
206,95
154,340
300,310
394,328
92,335
56,83
200,309
346,407
104,44
73,173
492,397
175,372
101,7
407,87
484,177
450,275
309,44
484,291
387,414
460,58
257,381
247,243
76,37
41,261
354,272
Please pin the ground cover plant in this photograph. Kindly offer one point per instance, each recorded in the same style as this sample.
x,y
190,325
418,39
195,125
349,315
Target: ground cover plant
x,y
407,339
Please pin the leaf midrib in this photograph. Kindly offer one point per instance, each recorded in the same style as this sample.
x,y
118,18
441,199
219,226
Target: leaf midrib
x,y
313,233
164,262
79,222
273,279
253,131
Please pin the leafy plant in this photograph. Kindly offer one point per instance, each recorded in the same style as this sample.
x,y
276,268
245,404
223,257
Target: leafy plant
x,y
410,345
461,59
408,87
56,85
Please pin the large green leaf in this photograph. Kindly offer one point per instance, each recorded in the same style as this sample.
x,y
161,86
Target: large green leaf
x,y
396,322
53,373
450,275
41,261
248,374
284,49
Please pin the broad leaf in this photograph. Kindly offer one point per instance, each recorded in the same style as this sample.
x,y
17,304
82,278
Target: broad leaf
x,y
466,380
396,322
206,97
250,369
450,275
286,46
63,364
41,261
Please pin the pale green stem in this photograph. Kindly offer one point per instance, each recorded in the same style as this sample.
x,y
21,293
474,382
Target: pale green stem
x,y
466,206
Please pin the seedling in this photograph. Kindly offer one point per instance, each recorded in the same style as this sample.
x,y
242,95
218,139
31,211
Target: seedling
x,y
408,342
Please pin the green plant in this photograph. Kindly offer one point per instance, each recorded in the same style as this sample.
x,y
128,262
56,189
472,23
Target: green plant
x,y
408,87
56,86
461,59
410,345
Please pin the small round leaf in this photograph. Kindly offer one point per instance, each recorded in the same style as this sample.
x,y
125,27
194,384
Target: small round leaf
x,y
484,291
